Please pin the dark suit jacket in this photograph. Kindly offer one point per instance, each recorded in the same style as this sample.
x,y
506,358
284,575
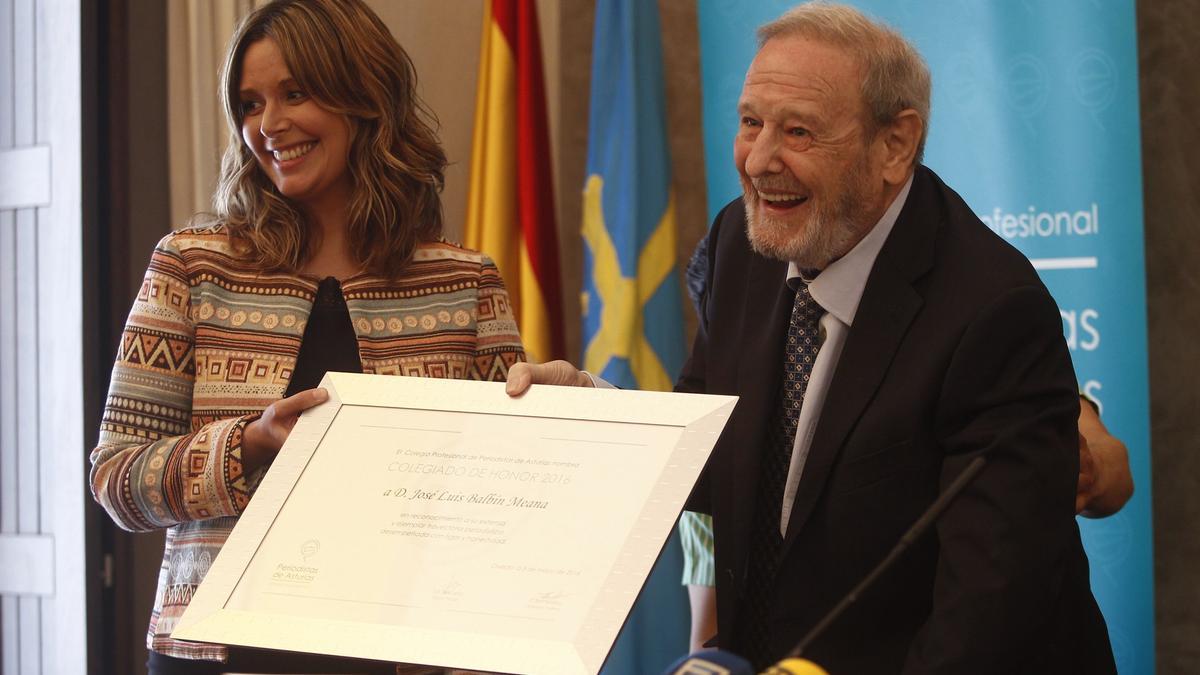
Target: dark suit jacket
x,y
956,351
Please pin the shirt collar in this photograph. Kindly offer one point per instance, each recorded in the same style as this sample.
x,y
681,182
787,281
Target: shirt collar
x,y
839,287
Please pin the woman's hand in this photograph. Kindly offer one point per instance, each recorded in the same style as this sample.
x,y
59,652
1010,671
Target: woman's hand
x,y
264,436
523,375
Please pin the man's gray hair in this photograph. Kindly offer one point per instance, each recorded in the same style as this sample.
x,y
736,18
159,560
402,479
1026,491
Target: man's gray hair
x,y
895,76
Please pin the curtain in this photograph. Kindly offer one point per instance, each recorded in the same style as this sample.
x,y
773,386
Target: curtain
x,y
197,34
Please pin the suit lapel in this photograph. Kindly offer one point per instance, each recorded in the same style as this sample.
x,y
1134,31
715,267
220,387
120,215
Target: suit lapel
x,y
767,306
868,352
888,306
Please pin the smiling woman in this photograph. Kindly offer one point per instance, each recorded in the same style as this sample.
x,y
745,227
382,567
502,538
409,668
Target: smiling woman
x,y
300,145
300,72
323,254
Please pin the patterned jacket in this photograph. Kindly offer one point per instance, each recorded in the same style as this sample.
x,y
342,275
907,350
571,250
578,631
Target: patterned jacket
x,y
211,341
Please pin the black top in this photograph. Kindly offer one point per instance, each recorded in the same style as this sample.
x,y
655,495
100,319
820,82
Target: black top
x,y
329,342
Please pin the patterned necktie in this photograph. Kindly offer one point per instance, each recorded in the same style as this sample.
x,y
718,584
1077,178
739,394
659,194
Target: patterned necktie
x,y
800,351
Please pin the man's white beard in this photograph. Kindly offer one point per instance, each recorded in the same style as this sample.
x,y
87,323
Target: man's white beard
x,y
833,227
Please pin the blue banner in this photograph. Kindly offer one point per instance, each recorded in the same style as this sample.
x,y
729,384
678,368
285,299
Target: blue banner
x,y
632,305
1035,123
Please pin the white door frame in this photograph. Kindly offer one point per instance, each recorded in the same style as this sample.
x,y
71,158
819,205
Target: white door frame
x,y
43,480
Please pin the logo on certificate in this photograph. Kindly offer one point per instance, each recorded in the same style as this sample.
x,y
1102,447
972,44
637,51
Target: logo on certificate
x,y
301,574
309,549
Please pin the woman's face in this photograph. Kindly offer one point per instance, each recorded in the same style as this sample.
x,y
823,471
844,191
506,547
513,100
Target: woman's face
x,y
301,146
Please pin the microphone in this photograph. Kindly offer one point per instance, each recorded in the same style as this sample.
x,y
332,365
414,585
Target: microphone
x,y
793,666
710,662
918,528
718,662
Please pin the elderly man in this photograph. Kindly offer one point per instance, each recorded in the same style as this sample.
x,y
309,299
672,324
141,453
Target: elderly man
x,y
880,338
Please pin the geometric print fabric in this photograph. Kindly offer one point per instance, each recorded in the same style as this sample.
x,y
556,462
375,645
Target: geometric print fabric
x,y
211,341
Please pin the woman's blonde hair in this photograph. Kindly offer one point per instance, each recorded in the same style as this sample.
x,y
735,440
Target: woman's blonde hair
x,y
344,57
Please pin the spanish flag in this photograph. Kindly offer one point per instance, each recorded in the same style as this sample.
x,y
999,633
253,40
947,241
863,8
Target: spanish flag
x,y
510,209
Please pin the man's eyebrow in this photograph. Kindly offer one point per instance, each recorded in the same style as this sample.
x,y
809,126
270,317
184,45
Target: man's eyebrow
x,y
748,105
785,110
802,115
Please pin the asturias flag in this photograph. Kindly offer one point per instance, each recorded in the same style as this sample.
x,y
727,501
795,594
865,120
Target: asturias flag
x,y
633,310
510,209
633,332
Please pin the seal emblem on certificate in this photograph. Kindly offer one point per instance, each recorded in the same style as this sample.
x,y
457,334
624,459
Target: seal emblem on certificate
x,y
441,522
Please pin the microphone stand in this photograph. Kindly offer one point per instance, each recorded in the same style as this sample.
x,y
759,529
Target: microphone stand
x,y
918,528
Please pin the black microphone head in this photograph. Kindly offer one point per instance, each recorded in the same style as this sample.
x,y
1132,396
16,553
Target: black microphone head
x,y
710,662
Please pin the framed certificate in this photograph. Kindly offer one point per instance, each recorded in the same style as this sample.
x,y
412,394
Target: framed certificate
x,y
441,522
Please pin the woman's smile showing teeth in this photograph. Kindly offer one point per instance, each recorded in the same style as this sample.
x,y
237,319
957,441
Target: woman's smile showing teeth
x,y
294,151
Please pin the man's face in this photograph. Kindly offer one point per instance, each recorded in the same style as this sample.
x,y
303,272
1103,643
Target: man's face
x,y
810,169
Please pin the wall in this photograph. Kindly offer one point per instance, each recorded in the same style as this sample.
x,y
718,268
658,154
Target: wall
x,y
1169,54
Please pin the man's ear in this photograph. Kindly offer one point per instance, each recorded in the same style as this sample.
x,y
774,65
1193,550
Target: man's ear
x,y
899,145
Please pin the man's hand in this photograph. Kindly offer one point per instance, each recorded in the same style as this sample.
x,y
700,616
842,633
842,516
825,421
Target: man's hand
x,y
522,375
264,436
1085,489
1105,483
